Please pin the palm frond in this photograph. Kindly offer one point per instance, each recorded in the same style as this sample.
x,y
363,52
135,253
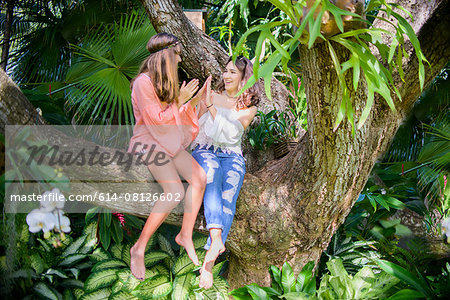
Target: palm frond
x,y
105,62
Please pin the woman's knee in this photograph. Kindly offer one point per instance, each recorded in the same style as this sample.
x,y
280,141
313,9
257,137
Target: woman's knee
x,y
176,191
200,178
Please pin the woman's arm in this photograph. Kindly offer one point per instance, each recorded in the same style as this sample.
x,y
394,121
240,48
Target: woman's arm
x,y
200,97
187,91
159,119
247,115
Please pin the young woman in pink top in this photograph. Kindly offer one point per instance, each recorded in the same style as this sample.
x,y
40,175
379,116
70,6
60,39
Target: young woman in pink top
x,y
166,123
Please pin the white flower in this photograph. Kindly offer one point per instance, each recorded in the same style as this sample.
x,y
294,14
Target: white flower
x,y
62,222
52,199
446,228
38,220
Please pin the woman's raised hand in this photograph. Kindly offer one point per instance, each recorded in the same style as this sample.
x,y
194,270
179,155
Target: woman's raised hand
x,y
187,91
202,93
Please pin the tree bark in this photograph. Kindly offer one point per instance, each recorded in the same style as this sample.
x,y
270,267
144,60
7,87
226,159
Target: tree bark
x,y
289,210
7,33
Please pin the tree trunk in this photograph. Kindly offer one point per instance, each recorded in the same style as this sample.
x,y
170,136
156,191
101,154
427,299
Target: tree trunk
x,y
289,210
7,33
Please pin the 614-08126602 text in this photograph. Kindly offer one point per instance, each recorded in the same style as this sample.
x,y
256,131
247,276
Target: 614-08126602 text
x,y
138,197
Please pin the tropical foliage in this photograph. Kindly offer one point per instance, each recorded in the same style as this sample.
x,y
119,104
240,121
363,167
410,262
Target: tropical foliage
x,y
98,81
306,29
77,59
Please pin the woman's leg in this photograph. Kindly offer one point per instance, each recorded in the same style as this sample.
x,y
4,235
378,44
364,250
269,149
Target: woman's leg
x,y
194,174
212,198
234,170
213,212
167,176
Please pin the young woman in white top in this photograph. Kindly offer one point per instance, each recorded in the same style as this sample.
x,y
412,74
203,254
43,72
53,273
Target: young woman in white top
x,y
222,119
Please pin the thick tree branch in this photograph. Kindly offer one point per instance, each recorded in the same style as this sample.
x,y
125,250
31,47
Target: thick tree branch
x,y
203,56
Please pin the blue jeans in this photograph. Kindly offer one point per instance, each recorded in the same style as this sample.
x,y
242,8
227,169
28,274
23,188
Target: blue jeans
x,y
225,175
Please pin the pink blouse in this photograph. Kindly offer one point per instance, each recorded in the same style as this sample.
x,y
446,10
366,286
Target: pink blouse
x,y
171,129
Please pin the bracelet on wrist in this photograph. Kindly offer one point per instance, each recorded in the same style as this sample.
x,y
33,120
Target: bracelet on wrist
x,y
209,105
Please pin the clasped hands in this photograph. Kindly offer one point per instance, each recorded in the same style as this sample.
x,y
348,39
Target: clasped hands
x,y
188,90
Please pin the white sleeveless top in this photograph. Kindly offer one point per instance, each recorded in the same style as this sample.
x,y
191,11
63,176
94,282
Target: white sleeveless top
x,y
224,131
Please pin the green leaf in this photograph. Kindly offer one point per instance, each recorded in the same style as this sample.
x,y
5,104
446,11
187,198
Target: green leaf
x,y
154,257
105,233
108,263
217,268
287,278
122,295
372,202
102,294
183,265
406,294
304,277
44,291
155,287
219,290
368,106
68,295
126,256
129,281
160,269
165,245
392,202
72,283
91,214
117,232
416,44
99,254
116,250
118,286
257,292
310,287
278,46
405,276
314,33
383,203
296,296
37,263
100,279
72,259
56,272
241,294
106,218
74,246
181,286
276,273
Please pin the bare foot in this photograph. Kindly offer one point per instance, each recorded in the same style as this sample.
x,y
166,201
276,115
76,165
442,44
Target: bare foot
x,y
189,246
206,276
137,264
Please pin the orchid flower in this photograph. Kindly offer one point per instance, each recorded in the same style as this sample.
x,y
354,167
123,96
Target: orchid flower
x,y
52,200
38,220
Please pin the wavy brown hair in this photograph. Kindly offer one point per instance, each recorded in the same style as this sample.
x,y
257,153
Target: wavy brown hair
x,y
161,66
250,96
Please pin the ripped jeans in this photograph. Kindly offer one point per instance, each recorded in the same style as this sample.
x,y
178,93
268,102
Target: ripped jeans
x,y
225,175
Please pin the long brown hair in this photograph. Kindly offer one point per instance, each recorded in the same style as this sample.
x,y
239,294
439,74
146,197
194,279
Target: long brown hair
x,y
251,96
161,65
